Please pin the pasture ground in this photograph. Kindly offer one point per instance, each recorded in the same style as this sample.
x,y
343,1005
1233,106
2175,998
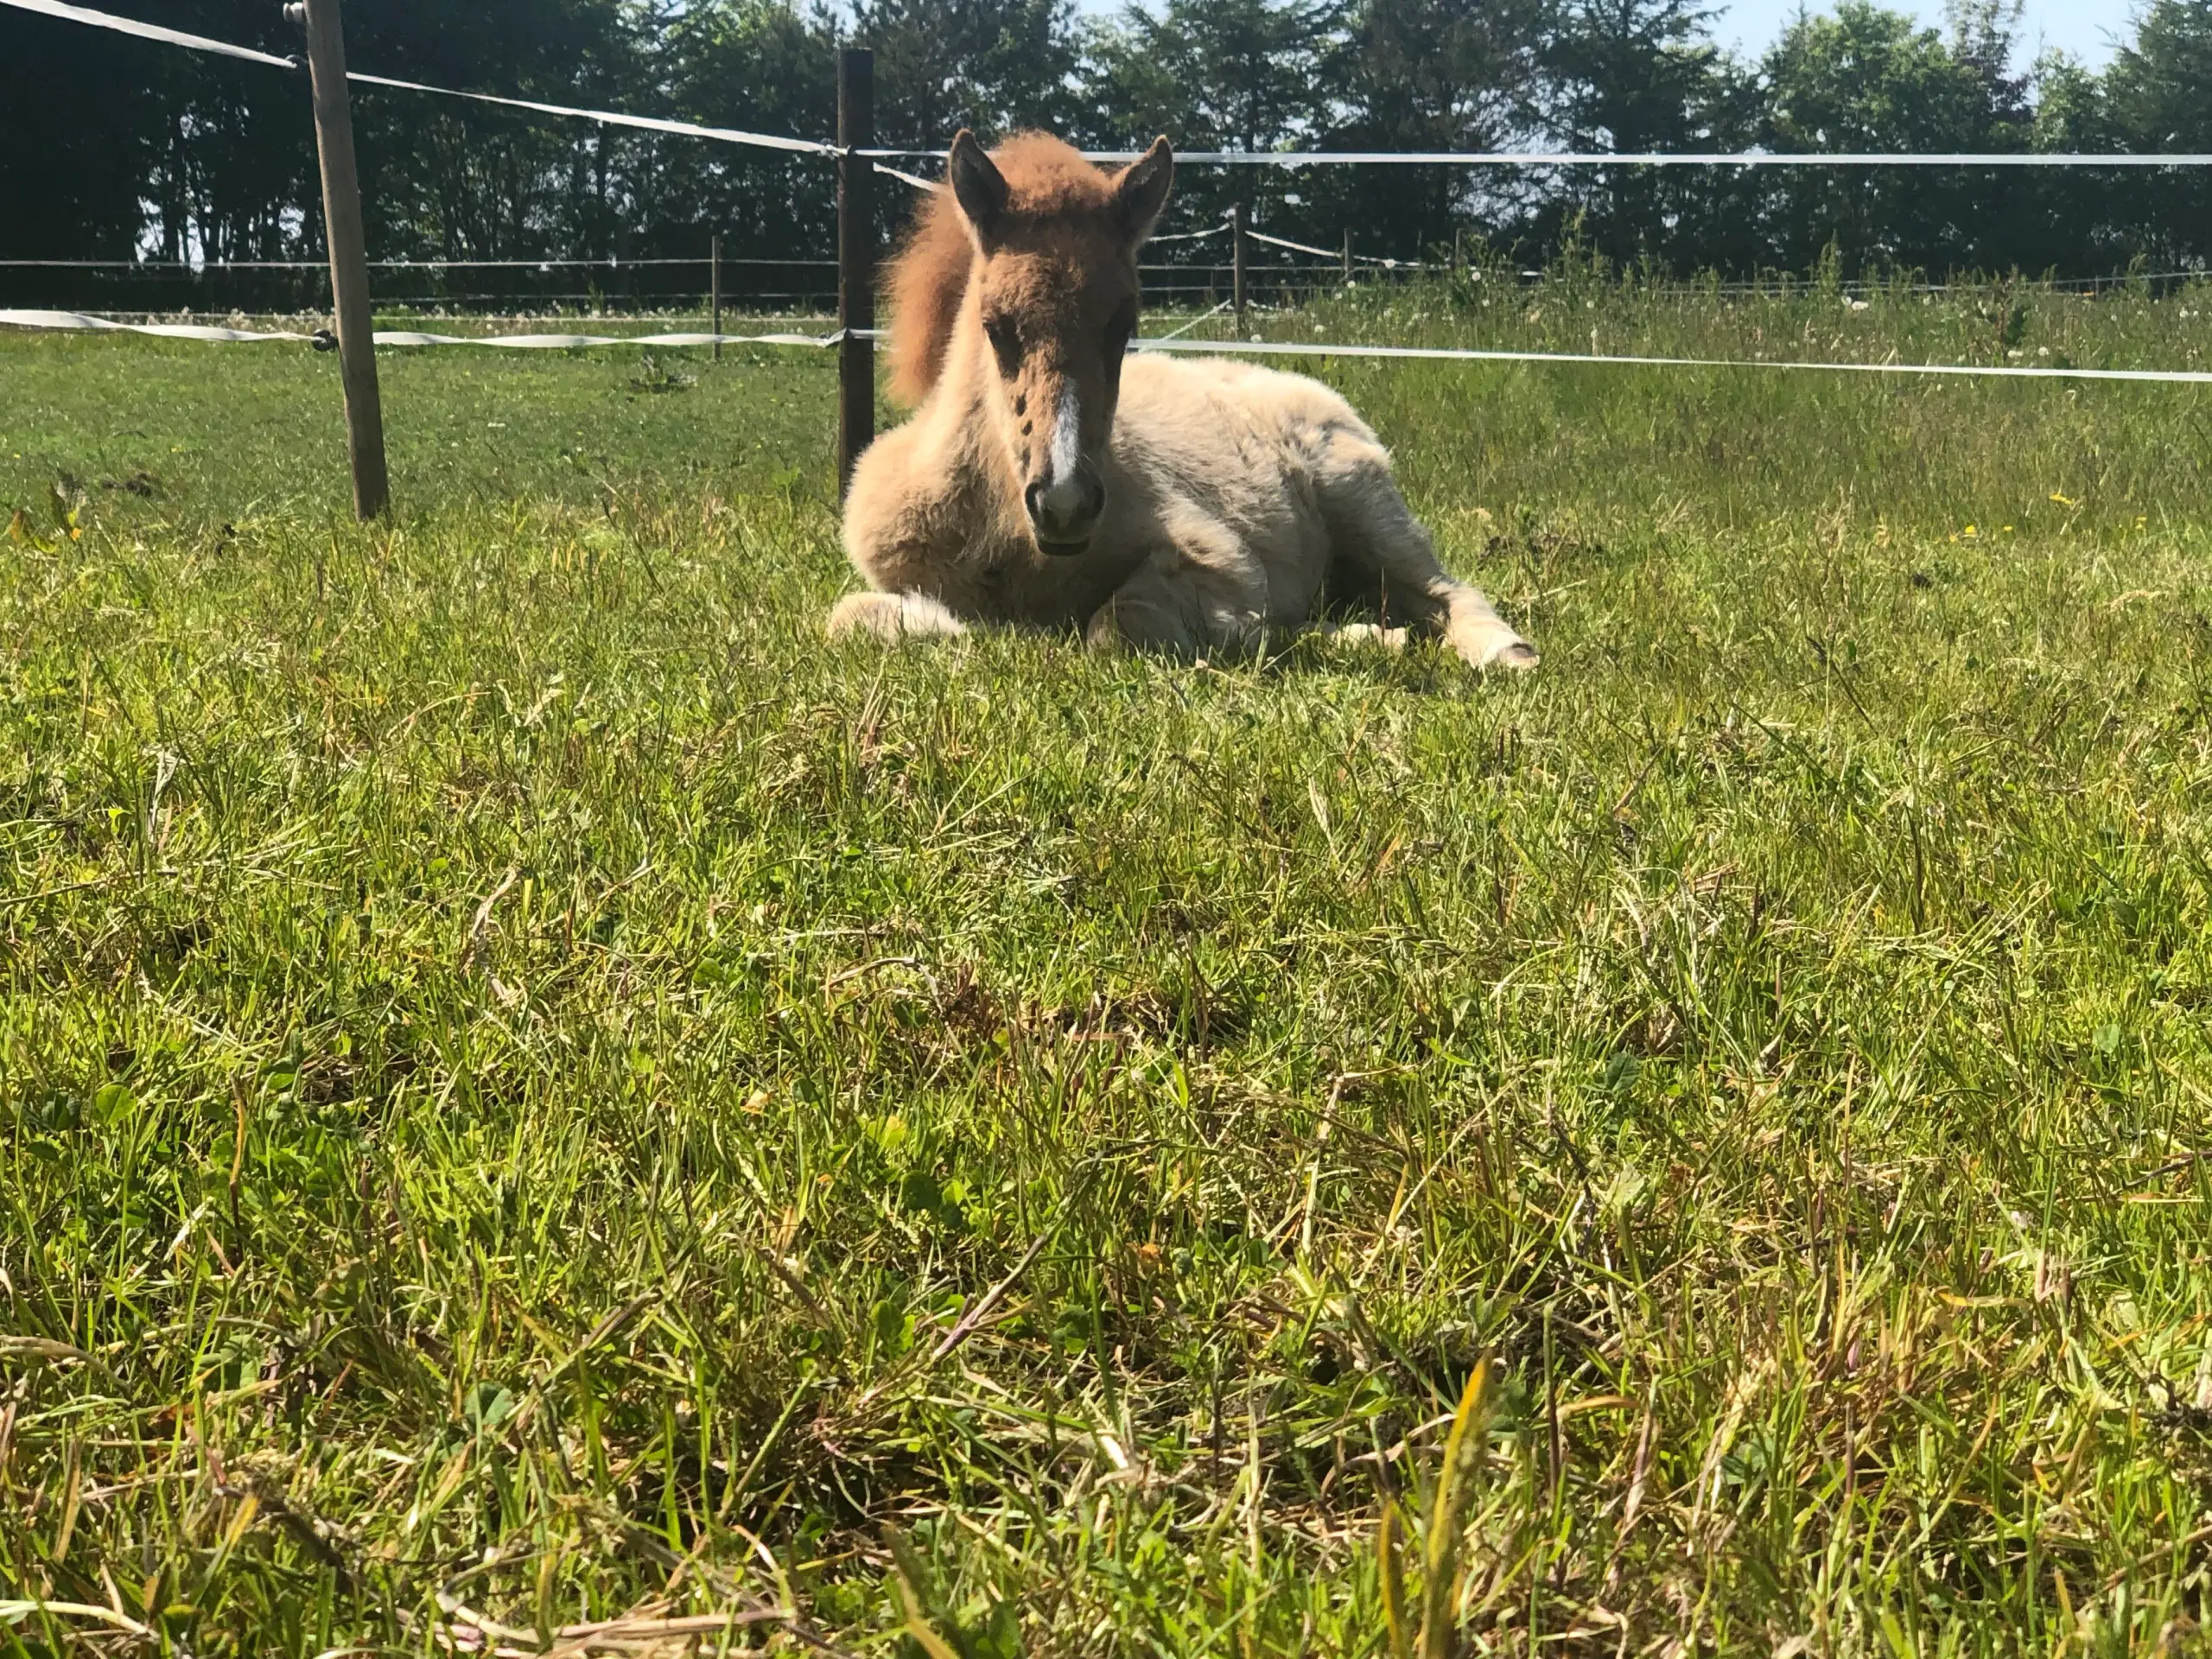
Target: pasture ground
x,y
518,1059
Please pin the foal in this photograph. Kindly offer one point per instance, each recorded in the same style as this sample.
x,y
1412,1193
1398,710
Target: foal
x,y
1179,505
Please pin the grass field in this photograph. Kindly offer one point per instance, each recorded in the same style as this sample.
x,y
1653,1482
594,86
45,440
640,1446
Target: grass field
x,y
532,1088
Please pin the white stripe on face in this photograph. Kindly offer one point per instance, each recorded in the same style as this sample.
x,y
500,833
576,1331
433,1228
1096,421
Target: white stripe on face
x,y
1067,436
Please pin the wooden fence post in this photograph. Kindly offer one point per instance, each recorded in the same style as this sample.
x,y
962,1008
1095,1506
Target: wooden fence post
x,y
349,257
1347,255
856,260
714,290
1236,264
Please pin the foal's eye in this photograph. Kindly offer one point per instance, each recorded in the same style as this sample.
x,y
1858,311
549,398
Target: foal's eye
x,y
1004,342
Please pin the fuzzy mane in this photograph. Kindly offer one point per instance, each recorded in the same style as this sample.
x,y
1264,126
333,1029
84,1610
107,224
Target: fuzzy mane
x,y
928,278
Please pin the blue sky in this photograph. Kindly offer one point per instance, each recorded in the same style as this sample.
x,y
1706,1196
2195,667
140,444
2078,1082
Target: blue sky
x,y
2082,27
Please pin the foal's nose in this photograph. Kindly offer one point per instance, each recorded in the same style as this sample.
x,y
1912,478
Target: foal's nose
x,y
1065,510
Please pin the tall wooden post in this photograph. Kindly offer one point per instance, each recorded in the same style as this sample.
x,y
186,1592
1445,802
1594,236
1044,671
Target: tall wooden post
x,y
1347,253
1236,264
349,255
715,291
855,258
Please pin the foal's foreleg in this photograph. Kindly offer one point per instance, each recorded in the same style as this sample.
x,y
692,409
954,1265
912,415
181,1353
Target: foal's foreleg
x,y
892,617
1147,615
1371,527
1200,591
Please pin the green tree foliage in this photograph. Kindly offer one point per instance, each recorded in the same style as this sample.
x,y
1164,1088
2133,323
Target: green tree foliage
x,y
760,66
1866,78
1426,75
73,184
2088,221
1222,74
463,182
2159,94
109,144
116,146
1643,76
1214,74
994,65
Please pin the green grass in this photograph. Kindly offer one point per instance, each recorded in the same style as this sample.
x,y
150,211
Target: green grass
x,y
518,1060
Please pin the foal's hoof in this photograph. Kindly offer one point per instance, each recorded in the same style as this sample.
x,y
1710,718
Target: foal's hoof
x,y
1492,644
1519,655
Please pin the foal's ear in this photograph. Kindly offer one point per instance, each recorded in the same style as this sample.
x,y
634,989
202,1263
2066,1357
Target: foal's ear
x,y
1141,191
978,185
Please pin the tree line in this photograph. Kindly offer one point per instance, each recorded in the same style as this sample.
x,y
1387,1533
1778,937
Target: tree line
x,y
118,149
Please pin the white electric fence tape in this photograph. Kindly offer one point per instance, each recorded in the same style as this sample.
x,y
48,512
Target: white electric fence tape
x,y
147,31
77,320
605,117
919,182
195,268
71,320
1296,158
1332,253
568,342
1454,354
1159,341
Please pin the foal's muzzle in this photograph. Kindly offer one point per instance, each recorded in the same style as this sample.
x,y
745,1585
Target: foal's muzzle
x,y
1065,511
